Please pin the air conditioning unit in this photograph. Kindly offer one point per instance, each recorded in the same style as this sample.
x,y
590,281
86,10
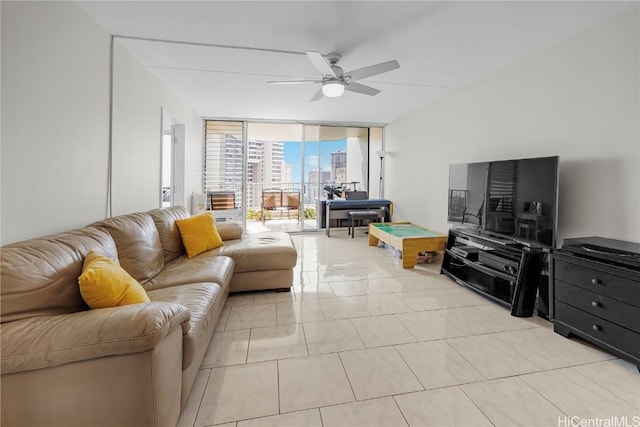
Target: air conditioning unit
x,y
198,203
228,215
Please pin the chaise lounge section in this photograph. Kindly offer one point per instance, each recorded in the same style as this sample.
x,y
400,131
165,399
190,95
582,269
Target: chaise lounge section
x,y
65,364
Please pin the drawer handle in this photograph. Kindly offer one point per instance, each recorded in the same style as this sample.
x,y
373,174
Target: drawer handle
x,y
597,328
596,304
596,281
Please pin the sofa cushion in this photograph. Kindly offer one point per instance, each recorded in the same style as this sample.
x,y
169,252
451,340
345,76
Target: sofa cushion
x,y
269,250
199,233
199,299
104,283
203,268
47,341
165,220
40,276
139,248
229,230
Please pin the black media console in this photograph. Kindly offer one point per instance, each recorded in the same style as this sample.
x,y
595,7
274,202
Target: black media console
x,y
509,270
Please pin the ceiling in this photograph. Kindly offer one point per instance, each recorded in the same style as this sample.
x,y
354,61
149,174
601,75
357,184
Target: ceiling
x,y
228,50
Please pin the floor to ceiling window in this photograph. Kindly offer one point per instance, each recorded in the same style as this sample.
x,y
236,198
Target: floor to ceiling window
x,y
276,175
223,169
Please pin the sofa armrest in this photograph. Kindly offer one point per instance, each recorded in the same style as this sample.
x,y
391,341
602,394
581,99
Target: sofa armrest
x,y
229,230
48,341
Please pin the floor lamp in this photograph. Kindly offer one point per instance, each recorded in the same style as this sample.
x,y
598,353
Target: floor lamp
x,y
382,154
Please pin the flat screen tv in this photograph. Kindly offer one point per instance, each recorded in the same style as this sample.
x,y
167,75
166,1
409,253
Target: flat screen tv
x,y
516,198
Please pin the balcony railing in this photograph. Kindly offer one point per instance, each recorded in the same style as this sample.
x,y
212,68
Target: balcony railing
x,y
270,205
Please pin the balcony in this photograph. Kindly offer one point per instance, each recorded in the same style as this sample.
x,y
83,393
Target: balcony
x,y
281,207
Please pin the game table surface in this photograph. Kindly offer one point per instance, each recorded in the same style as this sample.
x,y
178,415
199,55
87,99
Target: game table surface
x,y
411,239
406,230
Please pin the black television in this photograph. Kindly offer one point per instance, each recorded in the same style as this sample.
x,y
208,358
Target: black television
x,y
516,198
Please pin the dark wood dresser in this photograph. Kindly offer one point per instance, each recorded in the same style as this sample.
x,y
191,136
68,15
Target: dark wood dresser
x,y
595,294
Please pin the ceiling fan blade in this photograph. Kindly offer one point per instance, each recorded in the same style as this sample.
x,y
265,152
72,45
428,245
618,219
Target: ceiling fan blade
x,y
372,70
318,95
293,82
320,64
360,88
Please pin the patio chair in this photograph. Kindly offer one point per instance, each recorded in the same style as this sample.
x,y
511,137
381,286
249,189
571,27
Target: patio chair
x,y
291,202
271,201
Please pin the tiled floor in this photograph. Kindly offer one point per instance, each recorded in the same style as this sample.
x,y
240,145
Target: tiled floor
x,y
281,223
362,342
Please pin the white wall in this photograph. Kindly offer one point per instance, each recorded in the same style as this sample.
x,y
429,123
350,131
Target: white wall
x,y
55,123
578,99
55,70
357,159
376,136
138,100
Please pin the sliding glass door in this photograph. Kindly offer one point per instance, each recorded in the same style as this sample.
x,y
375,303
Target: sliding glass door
x,y
276,176
336,165
274,187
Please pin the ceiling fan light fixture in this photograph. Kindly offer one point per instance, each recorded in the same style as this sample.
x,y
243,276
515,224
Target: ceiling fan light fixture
x,y
332,89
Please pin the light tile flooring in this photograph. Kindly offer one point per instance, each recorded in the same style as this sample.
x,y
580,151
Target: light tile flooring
x,y
283,223
362,342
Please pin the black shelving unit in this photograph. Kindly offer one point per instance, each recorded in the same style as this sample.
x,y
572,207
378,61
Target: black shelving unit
x,y
508,270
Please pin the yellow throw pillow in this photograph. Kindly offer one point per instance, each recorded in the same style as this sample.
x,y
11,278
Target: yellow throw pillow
x,y
103,283
199,233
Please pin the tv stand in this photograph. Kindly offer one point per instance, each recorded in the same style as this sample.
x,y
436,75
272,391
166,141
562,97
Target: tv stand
x,y
505,269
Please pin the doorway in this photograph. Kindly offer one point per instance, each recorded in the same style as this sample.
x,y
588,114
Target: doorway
x,y
274,177
172,155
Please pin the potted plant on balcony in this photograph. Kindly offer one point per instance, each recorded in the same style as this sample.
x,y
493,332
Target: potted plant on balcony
x,y
333,190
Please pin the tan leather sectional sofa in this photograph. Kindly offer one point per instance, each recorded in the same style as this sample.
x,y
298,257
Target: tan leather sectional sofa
x,y
134,365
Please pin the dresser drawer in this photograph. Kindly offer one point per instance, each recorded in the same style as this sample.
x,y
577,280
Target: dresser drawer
x,y
597,280
599,329
599,305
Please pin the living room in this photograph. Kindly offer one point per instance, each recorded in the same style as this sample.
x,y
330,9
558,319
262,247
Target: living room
x,y
80,138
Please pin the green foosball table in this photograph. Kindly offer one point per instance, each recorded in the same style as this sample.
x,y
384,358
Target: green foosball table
x,y
409,238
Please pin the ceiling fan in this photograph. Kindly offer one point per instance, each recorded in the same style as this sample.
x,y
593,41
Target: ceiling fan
x,y
335,81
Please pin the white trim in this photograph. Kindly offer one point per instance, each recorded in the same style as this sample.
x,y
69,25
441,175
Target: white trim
x,y
300,122
178,157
